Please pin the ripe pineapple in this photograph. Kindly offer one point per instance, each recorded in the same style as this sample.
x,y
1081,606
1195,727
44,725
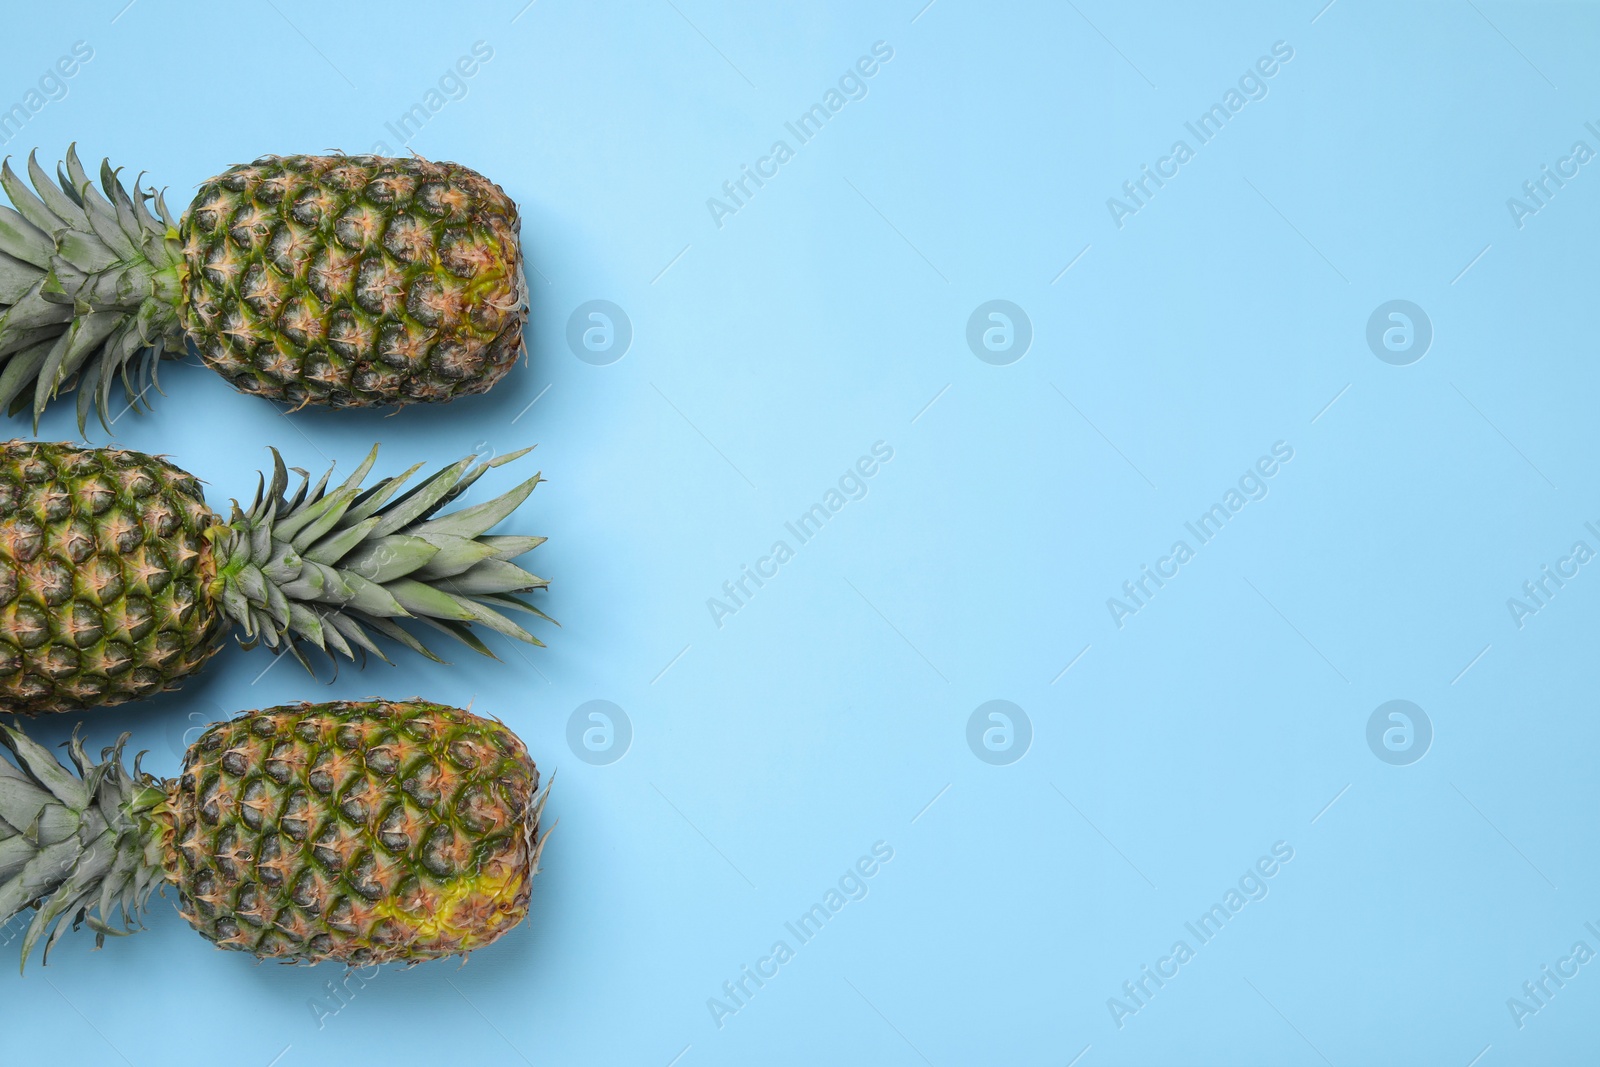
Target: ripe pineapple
x,y
339,280
117,581
358,831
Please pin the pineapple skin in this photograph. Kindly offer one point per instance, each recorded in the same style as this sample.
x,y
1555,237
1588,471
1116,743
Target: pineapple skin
x,y
362,832
104,569
352,281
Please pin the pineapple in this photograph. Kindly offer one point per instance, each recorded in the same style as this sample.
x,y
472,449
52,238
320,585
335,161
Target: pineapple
x,y
359,831
117,581
340,280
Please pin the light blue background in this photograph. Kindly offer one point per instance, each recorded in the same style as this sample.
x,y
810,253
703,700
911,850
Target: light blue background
x,y
768,354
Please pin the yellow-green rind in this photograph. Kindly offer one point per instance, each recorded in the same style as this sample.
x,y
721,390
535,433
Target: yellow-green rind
x,y
104,564
362,832
354,280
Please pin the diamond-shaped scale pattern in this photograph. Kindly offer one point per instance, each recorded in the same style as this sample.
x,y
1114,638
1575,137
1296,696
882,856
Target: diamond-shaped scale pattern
x,y
354,280
103,569
356,831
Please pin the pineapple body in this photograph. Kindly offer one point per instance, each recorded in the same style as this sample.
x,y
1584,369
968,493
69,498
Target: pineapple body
x,y
104,566
353,280
362,832
117,581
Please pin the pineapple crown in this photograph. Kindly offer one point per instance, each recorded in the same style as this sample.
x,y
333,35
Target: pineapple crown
x,y
90,284
330,567
76,847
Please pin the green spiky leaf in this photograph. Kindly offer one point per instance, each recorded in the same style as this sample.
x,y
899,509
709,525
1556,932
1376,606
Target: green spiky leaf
x,y
332,567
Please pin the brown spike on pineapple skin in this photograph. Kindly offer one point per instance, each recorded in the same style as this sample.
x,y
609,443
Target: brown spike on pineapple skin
x,y
363,832
104,565
351,281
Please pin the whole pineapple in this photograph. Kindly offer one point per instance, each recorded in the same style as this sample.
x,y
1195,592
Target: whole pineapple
x,y
358,831
337,280
117,581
